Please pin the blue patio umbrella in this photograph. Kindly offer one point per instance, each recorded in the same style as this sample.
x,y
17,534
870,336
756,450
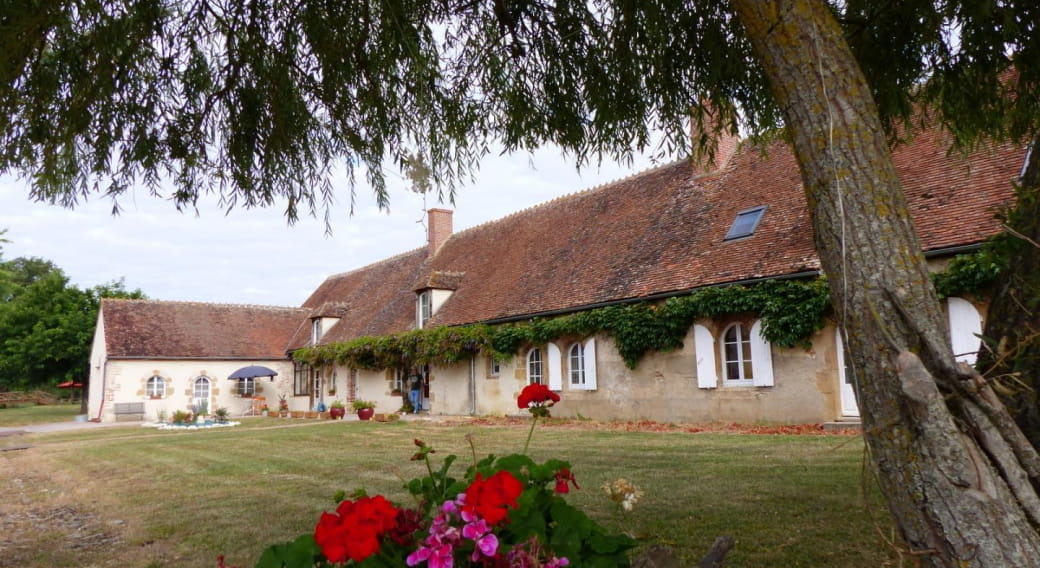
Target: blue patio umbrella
x,y
252,372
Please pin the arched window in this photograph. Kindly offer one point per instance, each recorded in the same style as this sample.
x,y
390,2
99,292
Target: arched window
x,y
736,356
155,387
247,387
201,390
576,364
534,367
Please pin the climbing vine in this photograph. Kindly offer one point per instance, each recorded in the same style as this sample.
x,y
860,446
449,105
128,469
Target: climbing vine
x,y
791,311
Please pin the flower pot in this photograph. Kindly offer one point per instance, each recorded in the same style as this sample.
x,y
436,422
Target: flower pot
x,y
365,413
337,413
297,414
311,414
274,414
283,413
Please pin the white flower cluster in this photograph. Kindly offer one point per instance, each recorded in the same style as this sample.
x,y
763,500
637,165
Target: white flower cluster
x,y
623,493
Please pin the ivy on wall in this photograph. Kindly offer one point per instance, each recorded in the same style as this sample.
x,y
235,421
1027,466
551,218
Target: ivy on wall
x,y
973,274
791,311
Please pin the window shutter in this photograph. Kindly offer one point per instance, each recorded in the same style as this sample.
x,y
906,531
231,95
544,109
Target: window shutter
x,y
590,364
761,357
704,346
965,323
555,364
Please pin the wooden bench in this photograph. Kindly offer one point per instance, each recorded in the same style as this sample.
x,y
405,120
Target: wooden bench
x,y
129,411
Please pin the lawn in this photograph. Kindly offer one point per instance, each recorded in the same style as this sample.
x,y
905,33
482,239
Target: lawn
x,y
23,414
136,497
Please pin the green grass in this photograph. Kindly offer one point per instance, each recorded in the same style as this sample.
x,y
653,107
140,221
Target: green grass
x,y
25,414
189,496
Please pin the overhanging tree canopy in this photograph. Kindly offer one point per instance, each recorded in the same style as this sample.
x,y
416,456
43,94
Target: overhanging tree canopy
x,y
255,100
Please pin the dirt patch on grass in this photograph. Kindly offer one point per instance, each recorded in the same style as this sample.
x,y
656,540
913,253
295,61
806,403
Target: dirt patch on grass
x,y
653,426
43,522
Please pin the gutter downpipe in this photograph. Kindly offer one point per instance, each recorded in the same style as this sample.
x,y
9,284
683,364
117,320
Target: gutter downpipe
x,y
473,386
104,380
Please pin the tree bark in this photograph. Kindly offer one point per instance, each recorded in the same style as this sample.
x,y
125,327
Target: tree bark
x,y
958,475
1012,353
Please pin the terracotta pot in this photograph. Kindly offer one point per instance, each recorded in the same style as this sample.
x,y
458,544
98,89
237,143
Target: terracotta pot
x,y
297,414
311,414
365,413
337,413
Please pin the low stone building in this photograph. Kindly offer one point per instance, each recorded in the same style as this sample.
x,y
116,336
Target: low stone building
x,y
662,234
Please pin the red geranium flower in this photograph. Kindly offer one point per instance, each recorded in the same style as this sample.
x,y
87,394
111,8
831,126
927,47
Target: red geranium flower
x,y
492,498
354,530
538,395
563,477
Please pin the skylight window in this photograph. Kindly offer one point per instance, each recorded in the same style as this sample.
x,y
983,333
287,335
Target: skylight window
x,y
745,223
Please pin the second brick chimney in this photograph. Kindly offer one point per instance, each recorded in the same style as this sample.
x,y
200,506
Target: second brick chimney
x,y
725,145
438,228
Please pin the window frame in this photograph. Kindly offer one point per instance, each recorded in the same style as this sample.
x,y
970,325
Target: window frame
x,y
494,367
315,330
160,392
243,391
301,379
423,308
201,379
399,380
744,359
576,365
758,212
535,358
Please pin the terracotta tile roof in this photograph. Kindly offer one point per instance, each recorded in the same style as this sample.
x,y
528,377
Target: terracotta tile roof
x,y
654,233
156,329
662,231
374,300
440,280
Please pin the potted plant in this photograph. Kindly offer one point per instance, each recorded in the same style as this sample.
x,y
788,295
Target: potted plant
x,y
332,391
221,414
264,410
337,410
283,406
200,410
365,409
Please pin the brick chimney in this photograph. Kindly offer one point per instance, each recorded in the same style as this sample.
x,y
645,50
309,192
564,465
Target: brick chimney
x,y
438,228
725,145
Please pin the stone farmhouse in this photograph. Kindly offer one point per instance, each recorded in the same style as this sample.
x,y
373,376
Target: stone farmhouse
x,y
659,234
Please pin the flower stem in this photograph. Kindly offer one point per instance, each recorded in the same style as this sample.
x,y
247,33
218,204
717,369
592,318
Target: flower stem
x,y
534,420
429,468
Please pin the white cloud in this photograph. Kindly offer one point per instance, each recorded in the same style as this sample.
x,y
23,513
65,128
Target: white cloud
x,y
252,255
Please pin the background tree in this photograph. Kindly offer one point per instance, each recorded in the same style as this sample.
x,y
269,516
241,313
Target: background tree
x,y
255,100
47,324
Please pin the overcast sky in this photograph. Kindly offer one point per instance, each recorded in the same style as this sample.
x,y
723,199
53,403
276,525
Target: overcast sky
x,y
253,256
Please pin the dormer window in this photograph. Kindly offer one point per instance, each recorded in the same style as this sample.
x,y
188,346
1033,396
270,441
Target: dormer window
x,y
315,330
423,308
745,223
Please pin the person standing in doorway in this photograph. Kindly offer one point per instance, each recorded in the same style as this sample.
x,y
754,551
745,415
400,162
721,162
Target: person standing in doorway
x,y
415,390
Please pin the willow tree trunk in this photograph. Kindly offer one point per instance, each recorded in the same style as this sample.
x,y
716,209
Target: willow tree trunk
x,y
958,475
1013,322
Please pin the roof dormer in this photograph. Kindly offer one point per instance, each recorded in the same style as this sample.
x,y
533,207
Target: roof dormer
x,y
432,292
